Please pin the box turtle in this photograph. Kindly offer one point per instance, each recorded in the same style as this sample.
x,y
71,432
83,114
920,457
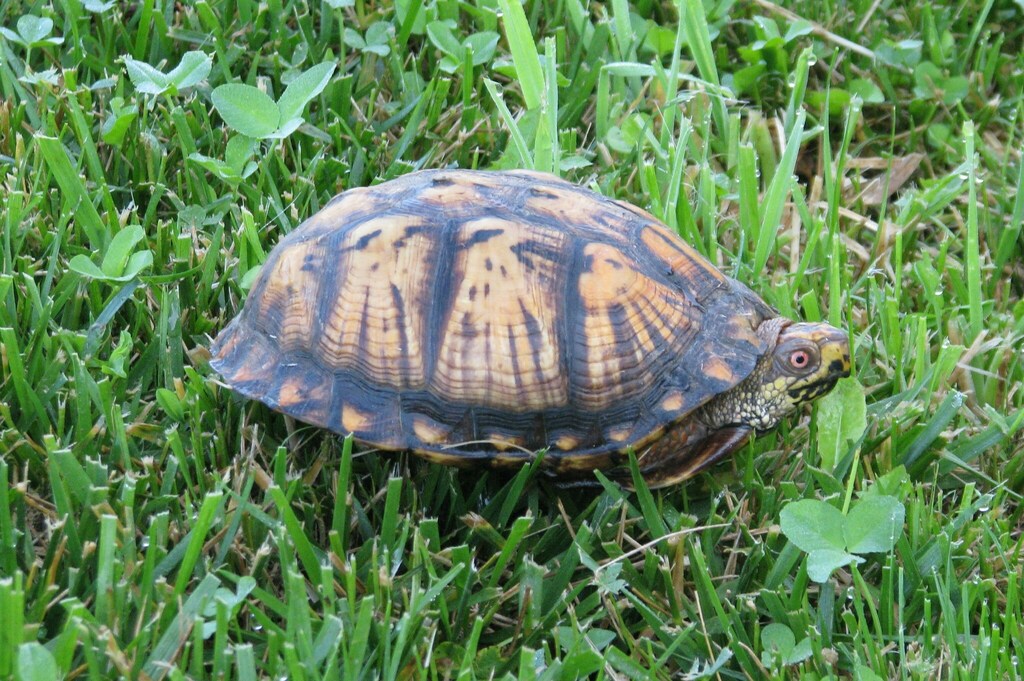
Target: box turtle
x,y
479,317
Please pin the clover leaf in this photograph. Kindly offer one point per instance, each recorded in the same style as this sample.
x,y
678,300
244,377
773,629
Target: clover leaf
x,y
194,68
237,164
832,540
377,40
779,646
481,46
253,113
32,31
120,262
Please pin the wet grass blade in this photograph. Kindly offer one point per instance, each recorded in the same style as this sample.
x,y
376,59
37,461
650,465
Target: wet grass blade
x,y
776,194
972,247
698,39
76,196
524,53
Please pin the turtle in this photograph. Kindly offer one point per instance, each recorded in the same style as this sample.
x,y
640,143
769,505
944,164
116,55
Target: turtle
x,y
487,317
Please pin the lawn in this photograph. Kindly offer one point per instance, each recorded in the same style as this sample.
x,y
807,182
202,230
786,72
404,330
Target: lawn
x,y
855,162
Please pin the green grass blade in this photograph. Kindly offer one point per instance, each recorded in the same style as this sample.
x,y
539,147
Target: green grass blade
x,y
698,39
295,532
972,247
524,52
749,200
12,612
105,564
8,547
168,648
76,196
775,196
518,141
30,404
339,519
196,539
1009,239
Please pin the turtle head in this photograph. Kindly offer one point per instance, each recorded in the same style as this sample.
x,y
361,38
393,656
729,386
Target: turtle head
x,y
804,362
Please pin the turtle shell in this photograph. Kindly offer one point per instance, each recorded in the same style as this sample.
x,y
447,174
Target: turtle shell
x,y
482,316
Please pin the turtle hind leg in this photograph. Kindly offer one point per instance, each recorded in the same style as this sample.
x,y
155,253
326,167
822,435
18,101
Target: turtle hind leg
x,y
683,452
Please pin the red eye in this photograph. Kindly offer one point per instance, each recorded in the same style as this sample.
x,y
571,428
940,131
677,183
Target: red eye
x,y
800,359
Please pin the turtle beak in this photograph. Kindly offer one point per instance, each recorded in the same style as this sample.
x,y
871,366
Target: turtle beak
x,y
834,346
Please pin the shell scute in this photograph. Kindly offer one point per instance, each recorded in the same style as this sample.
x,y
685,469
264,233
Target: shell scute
x,y
503,353
632,327
373,321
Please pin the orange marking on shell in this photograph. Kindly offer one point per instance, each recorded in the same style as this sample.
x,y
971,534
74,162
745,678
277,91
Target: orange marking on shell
x,y
458,194
656,320
245,374
291,392
510,460
228,341
503,442
567,443
719,369
581,463
674,402
251,359
742,328
444,459
290,294
487,355
429,431
352,203
568,206
619,434
354,420
382,258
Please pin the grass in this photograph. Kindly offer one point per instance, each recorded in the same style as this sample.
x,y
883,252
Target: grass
x,y
153,525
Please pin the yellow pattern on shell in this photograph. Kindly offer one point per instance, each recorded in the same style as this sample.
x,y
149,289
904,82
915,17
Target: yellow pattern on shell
x,y
630,321
376,321
500,347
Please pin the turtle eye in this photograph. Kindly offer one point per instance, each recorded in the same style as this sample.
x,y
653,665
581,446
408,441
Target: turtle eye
x,y
797,358
800,359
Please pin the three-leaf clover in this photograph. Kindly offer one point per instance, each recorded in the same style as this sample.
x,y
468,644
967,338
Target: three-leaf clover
x,y
481,45
251,112
832,540
121,262
377,40
232,600
194,67
779,645
932,82
32,31
237,164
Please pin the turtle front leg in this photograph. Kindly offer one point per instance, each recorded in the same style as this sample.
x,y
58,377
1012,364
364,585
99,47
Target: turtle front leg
x,y
685,450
